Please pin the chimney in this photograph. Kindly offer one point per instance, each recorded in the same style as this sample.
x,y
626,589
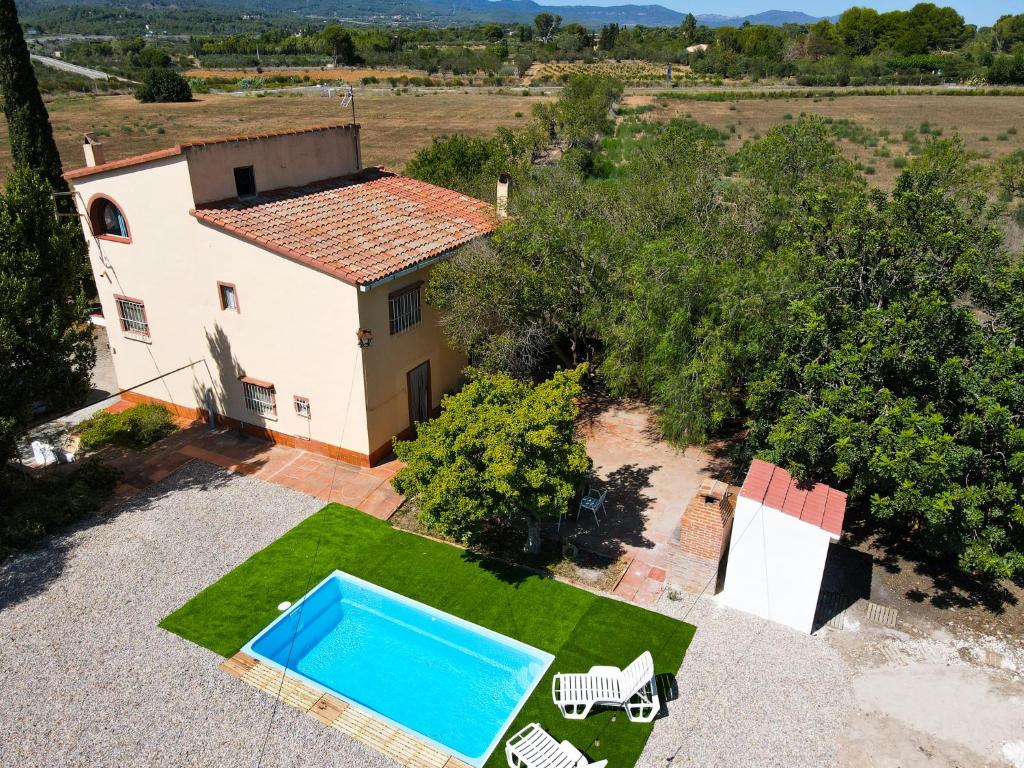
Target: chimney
x,y
504,180
704,531
93,150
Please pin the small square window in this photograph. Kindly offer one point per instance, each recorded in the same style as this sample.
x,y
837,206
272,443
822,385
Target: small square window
x,y
245,181
228,297
302,407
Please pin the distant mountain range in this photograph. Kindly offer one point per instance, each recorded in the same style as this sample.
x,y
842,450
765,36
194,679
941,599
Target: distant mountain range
x,y
508,11
448,12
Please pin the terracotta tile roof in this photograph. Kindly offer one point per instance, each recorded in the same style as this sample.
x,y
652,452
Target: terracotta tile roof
x,y
360,228
817,504
127,162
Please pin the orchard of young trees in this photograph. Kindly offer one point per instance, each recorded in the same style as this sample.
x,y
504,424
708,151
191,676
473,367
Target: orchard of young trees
x,y
869,340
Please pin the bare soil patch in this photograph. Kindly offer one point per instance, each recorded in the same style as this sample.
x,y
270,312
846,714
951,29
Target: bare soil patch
x,y
393,127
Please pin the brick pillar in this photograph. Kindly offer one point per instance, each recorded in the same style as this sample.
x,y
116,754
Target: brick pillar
x,y
704,530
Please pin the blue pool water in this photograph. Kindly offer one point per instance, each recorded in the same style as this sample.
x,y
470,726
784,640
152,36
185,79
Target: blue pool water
x,y
445,680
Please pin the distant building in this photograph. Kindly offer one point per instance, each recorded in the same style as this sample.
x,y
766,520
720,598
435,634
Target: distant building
x,y
698,48
275,281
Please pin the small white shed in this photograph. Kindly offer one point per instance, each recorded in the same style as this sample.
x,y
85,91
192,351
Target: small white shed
x,y
780,538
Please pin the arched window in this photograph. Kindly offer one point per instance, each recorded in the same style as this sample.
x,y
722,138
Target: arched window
x,y
107,220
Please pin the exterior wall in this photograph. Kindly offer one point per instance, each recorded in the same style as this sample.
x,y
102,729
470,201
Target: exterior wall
x,y
278,161
390,358
775,565
704,530
296,326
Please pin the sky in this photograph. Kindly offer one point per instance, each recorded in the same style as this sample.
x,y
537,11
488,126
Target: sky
x,y
980,12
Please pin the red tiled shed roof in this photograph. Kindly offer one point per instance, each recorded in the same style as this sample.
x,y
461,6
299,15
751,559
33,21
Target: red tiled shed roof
x,y
817,504
361,228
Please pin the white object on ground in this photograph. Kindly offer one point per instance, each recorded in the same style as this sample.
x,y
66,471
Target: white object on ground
x,y
632,688
284,606
43,453
1013,751
533,747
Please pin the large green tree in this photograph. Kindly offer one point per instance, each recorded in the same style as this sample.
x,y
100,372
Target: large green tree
x,y
501,449
887,385
46,349
28,124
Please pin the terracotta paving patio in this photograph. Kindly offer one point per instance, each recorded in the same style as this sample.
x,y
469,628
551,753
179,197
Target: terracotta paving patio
x,y
649,482
366,489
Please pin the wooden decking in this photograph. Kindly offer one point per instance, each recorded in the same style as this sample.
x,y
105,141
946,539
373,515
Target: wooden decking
x,y
335,713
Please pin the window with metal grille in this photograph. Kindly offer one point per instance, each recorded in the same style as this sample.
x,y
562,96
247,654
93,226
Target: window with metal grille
x,y
259,397
132,314
302,407
404,309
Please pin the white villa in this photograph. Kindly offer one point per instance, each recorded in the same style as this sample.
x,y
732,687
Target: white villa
x,y
274,281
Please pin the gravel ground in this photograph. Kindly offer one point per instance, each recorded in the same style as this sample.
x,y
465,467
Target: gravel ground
x,y
90,680
88,677
751,693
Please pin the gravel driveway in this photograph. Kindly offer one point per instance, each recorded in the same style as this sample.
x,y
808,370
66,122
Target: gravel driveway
x,y
89,679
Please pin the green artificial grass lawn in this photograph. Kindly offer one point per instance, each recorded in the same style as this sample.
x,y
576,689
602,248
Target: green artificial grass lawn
x,y
579,628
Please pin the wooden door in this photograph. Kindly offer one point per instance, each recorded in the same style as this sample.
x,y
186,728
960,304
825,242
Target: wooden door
x,y
418,381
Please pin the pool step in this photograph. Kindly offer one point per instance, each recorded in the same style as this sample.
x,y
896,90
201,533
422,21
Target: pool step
x,y
335,713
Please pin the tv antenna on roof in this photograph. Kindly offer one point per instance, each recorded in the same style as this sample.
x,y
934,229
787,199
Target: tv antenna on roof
x,y
349,98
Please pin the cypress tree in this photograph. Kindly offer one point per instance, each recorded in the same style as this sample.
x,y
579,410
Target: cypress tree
x,y
30,134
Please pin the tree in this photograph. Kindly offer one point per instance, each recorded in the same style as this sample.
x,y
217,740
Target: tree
x,y
583,109
886,385
609,34
859,30
163,85
337,41
1011,174
29,132
1008,32
154,58
501,449
471,165
46,349
493,33
689,28
547,25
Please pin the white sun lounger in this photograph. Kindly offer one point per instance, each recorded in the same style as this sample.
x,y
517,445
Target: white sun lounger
x,y
632,688
533,747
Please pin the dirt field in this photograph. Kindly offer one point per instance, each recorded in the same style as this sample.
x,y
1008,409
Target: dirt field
x,y
980,120
393,127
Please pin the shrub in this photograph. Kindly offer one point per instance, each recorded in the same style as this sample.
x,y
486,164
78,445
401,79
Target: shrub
x,y
37,506
163,85
135,427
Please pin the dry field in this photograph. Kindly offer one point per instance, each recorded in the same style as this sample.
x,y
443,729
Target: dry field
x,y
989,125
393,127
316,74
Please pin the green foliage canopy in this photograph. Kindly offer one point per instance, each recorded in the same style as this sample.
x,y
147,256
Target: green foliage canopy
x,y
501,449
163,85
46,349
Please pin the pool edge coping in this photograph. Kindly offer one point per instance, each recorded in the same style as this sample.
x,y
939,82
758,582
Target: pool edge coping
x,y
334,712
463,760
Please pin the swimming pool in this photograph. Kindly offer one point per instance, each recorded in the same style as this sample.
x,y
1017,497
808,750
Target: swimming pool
x,y
444,680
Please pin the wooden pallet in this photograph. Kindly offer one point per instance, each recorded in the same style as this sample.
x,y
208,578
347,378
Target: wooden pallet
x,y
336,713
